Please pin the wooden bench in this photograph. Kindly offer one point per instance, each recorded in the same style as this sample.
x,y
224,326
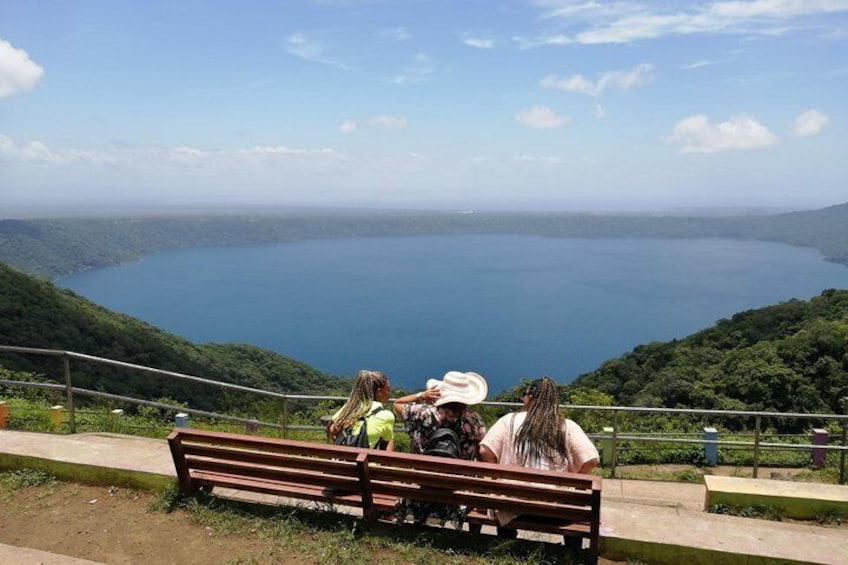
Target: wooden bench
x,y
549,502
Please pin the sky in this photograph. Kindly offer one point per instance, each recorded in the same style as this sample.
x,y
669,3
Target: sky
x,y
574,105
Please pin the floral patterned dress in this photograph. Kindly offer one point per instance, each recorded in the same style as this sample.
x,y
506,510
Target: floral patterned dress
x,y
421,421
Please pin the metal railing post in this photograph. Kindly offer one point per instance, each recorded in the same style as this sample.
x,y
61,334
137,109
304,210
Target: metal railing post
x,y
842,455
844,402
69,387
285,417
614,456
756,446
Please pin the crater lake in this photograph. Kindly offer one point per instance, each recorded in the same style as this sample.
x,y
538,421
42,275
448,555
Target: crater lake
x,y
507,306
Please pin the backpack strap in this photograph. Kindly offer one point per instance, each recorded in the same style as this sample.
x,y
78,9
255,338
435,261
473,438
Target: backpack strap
x,y
381,443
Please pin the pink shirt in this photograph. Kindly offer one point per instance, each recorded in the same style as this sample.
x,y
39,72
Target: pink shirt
x,y
501,440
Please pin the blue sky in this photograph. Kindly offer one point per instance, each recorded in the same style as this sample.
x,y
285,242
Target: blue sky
x,y
550,104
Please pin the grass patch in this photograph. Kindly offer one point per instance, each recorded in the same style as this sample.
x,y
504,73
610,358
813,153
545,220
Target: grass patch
x,y
342,539
763,512
168,500
832,517
657,473
24,478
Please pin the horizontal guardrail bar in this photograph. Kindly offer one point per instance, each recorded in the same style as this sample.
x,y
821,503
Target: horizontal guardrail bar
x,y
729,443
705,412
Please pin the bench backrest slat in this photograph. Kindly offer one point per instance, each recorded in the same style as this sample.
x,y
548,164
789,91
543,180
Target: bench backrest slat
x,y
331,466
526,490
477,468
475,500
271,445
315,478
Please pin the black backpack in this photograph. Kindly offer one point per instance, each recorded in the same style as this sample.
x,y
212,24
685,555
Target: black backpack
x,y
443,443
360,439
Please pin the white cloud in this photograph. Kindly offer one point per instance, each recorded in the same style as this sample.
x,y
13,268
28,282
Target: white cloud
x,y
698,65
347,126
387,122
698,135
558,39
621,80
18,73
809,123
281,151
396,33
598,111
539,159
300,45
590,10
151,157
421,70
479,43
541,117
625,22
38,153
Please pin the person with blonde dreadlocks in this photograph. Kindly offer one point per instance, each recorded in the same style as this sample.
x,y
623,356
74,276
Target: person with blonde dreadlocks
x,y
367,399
538,437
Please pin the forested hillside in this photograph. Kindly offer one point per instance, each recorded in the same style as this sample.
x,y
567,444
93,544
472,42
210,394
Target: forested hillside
x,y
792,357
34,313
53,247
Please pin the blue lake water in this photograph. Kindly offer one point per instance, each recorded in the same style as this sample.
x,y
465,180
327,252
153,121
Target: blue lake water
x,y
509,307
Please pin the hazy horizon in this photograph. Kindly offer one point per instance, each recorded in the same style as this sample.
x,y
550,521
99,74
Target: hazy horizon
x,y
40,211
560,105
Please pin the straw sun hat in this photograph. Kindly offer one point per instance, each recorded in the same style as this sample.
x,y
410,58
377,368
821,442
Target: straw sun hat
x,y
468,388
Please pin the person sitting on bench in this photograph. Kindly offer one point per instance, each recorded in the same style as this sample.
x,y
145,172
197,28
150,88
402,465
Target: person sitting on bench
x,y
365,406
439,423
538,437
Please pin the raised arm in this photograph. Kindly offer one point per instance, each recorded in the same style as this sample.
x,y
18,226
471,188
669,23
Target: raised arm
x,y
426,396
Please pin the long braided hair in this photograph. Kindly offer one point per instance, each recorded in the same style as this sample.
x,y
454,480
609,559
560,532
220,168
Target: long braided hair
x,y
541,436
358,404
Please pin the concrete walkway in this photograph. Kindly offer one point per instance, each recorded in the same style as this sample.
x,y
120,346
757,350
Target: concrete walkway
x,y
652,521
24,556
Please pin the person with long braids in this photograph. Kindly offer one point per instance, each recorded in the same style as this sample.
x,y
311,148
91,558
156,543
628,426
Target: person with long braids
x,y
367,399
538,437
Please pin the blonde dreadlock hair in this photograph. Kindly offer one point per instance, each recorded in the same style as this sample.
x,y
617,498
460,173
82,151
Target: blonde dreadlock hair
x,y
541,436
359,402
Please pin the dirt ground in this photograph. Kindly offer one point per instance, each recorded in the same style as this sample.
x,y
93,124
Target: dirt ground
x,y
119,526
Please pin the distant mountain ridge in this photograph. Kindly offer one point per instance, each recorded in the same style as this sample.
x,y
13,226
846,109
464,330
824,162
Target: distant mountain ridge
x,y
54,247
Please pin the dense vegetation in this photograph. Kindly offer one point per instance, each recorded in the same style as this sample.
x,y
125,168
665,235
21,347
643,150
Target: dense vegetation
x,y
53,247
792,357
34,313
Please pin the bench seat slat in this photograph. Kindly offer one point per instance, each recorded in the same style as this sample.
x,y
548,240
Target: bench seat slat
x,y
279,488
549,527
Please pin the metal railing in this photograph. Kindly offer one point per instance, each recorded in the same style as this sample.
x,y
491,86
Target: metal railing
x,y
612,436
